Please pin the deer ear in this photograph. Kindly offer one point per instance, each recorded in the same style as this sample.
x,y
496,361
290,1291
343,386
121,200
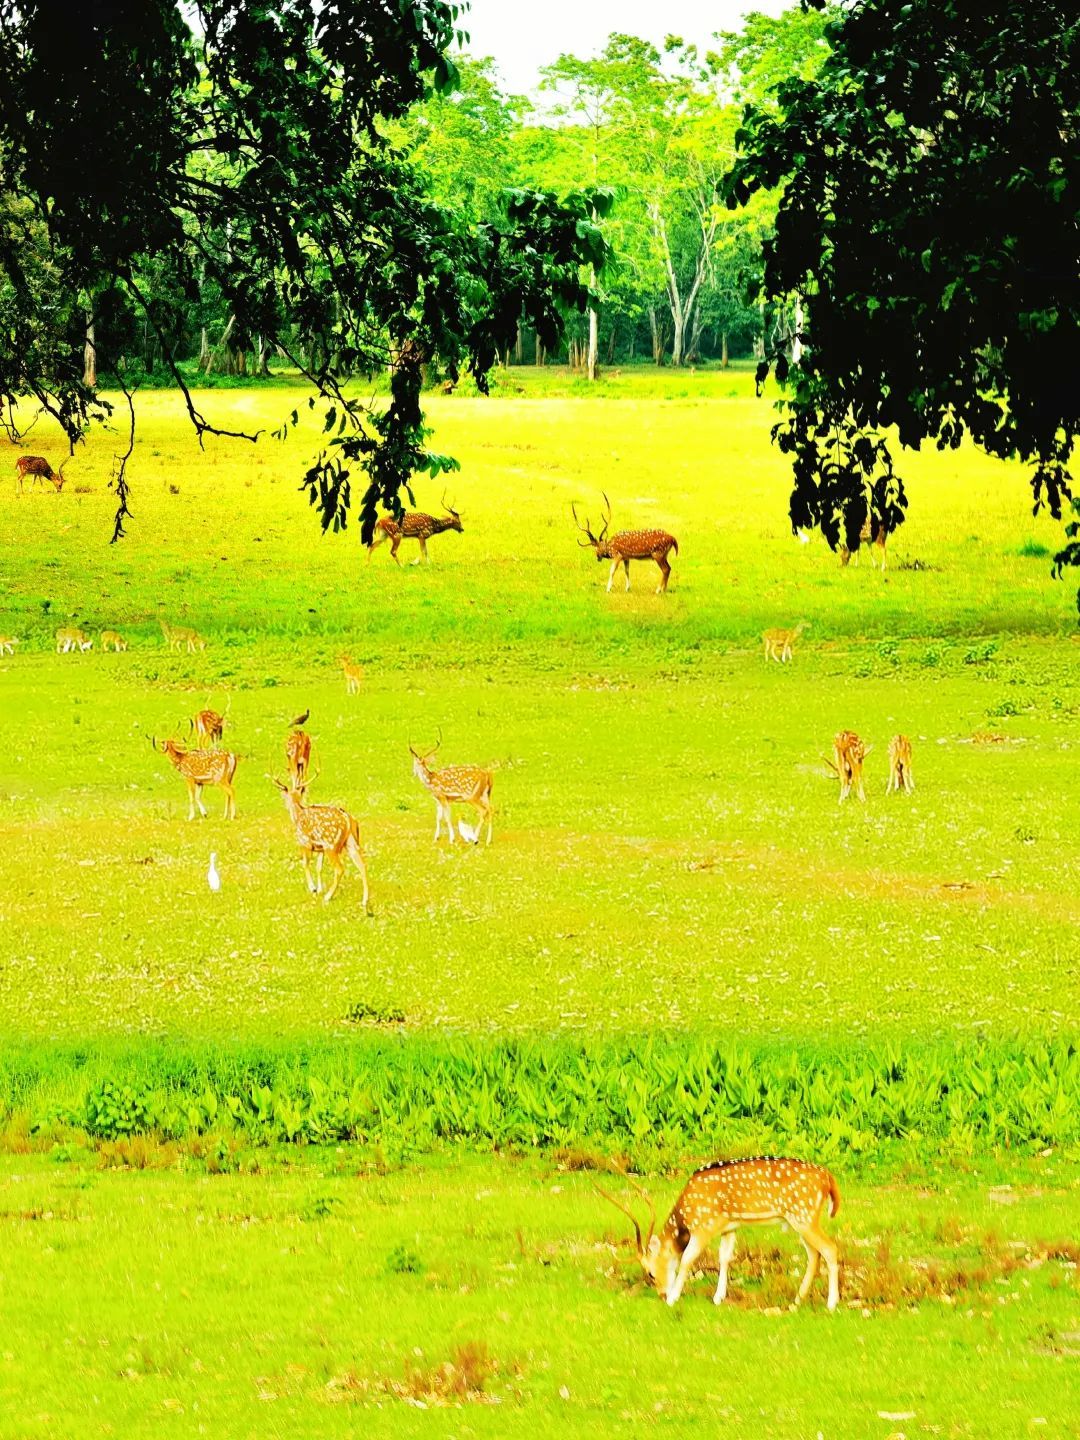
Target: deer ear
x,y
654,1245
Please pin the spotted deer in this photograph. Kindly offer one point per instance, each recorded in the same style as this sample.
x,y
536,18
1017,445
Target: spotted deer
x,y
778,643
414,526
628,545
207,726
849,752
900,776
874,534
324,830
70,638
38,468
113,640
182,637
729,1193
455,785
7,644
199,768
353,673
298,757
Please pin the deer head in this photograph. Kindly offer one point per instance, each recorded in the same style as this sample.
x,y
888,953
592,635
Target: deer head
x,y
421,758
648,1250
595,542
455,518
58,477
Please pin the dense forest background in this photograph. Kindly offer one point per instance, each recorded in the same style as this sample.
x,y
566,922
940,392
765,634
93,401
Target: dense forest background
x,y
656,128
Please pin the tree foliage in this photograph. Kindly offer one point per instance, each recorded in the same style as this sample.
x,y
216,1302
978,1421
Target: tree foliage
x,y
165,150
930,219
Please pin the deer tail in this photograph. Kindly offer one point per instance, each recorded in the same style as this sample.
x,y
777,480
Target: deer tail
x,y
675,545
834,1194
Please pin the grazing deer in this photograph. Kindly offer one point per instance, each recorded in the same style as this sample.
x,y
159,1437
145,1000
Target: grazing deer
x,y
455,785
778,643
873,533
208,726
71,638
298,757
40,469
414,526
112,640
353,675
900,776
323,830
199,768
182,637
729,1193
849,752
7,644
628,545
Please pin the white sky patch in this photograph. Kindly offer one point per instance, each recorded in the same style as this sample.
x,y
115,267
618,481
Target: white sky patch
x,y
523,38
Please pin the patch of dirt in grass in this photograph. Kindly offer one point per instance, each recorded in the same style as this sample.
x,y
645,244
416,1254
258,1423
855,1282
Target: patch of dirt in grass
x,y
463,1379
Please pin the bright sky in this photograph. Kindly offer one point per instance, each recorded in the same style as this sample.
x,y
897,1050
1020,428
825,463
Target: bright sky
x,y
523,37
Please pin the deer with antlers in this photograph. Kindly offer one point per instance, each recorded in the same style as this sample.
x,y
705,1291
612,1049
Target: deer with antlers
x,y
628,545
455,785
417,526
38,468
182,637
298,757
849,752
778,643
70,638
900,776
729,1193
199,768
323,830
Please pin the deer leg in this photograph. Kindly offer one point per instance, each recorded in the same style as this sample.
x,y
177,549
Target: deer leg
x,y
813,1255
337,865
611,574
665,572
689,1257
423,551
626,567
395,541
727,1250
356,855
309,879
859,787
813,1235
489,810
449,813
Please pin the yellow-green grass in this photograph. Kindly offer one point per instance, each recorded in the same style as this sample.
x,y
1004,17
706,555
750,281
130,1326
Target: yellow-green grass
x,y
668,852
310,1299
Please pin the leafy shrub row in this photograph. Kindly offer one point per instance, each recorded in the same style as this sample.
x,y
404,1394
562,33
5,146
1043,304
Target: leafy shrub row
x,y
663,1091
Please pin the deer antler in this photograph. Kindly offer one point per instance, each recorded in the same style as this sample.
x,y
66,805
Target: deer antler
x,y
585,528
607,517
629,1215
448,508
648,1201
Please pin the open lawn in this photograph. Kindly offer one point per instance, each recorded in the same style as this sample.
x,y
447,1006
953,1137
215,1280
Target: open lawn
x,y
669,857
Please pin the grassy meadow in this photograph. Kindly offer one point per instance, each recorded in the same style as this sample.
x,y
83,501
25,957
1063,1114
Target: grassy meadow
x,y
669,859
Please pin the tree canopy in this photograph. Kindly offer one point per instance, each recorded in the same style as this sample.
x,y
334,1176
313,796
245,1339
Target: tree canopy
x,y
155,152
929,223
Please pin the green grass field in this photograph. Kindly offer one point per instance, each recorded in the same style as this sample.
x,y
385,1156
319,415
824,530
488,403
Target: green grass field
x,y
669,856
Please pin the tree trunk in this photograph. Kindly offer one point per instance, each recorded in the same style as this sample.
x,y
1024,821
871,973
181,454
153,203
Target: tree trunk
x,y
519,347
263,369
723,351
540,357
90,354
594,344
797,344
204,348
223,342
657,336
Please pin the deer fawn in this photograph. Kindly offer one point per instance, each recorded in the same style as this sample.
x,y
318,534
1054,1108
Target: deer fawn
x,y
414,526
71,638
455,785
778,643
629,545
849,752
729,1193
900,776
182,637
112,640
208,726
199,768
39,469
873,533
353,675
298,757
7,644
323,830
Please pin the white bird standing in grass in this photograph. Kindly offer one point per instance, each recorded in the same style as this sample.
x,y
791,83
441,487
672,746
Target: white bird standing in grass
x,y
213,879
